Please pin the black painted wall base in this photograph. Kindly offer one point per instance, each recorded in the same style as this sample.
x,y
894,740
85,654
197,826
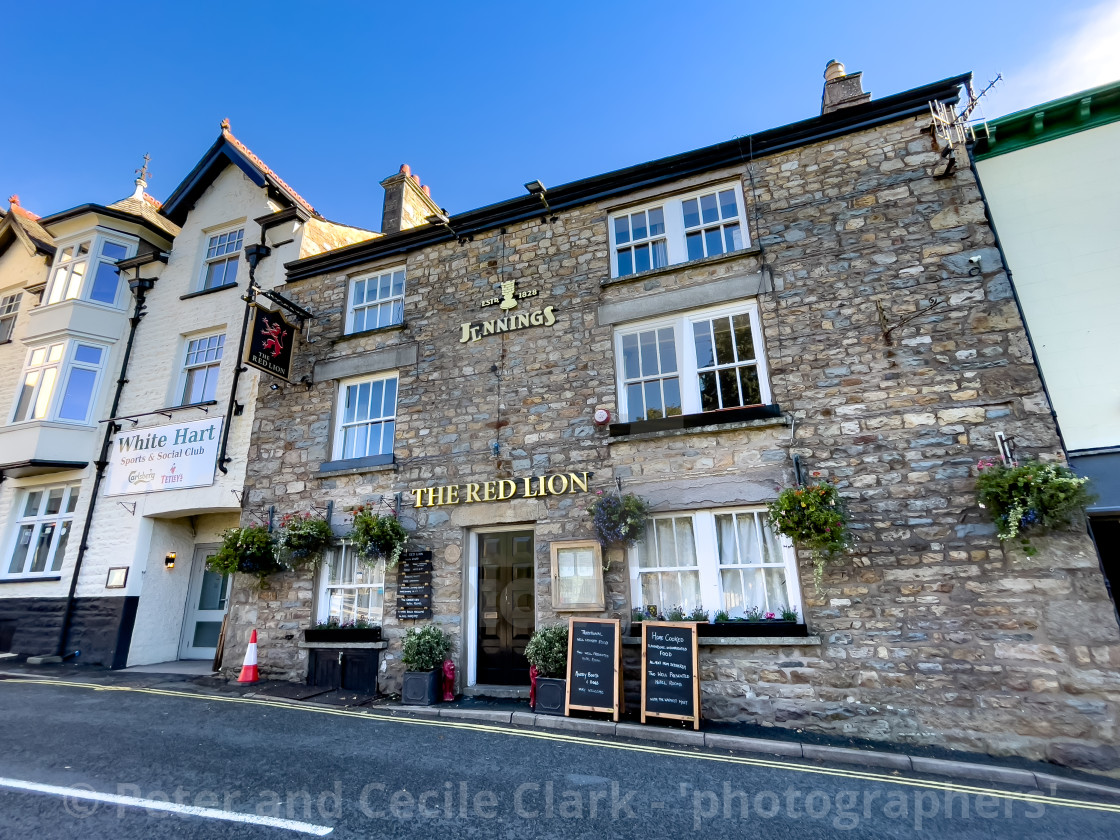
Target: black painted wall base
x,y
100,628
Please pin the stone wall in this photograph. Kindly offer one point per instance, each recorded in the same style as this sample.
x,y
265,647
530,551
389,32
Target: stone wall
x,y
930,631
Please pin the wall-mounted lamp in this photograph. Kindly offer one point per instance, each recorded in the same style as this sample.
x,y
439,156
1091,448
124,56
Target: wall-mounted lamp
x,y
169,560
443,220
538,189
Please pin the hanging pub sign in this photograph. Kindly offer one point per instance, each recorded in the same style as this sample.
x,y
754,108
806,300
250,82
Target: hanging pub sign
x,y
170,457
269,343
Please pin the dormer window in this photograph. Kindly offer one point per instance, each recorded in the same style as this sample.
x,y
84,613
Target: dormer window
x,y
87,270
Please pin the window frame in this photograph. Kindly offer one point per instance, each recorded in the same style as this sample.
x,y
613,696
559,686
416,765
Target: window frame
x,y
675,234
687,369
9,311
185,368
397,300
208,236
71,491
98,238
64,365
323,590
339,425
708,566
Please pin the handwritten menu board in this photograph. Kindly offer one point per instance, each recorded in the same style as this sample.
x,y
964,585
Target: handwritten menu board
x,y
594,665
414,585
670,671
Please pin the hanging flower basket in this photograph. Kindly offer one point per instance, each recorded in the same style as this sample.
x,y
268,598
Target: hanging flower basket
x,y
378,536
1030,498
303,540
813,516
250,550
619,520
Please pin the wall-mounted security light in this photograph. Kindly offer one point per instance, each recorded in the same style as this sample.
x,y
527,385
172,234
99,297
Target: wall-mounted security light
x,y
538,189
169,560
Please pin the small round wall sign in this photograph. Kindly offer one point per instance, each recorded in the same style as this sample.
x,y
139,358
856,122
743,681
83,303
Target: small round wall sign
x,y
602,416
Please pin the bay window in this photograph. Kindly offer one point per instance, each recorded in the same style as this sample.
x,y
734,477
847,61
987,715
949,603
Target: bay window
x,y
87,270
697,362
60,382
728,560
677,229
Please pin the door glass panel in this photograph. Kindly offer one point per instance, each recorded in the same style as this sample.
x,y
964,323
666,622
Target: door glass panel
x,y
206,634
213,595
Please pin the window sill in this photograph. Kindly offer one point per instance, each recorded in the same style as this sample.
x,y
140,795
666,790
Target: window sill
x,y
201,292
39,579
743,641
343,645
357,466
669,269
754,416
391,328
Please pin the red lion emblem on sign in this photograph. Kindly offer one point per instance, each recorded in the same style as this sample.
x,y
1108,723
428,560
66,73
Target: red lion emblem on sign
x,y
276,335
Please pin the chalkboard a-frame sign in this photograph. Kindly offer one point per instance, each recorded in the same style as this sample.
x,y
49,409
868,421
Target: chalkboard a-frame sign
x,y
594,666
670,671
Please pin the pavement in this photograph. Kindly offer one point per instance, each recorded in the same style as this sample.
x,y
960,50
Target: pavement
x,y
731,738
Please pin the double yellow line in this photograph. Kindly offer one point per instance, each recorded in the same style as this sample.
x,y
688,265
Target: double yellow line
x,y
771,764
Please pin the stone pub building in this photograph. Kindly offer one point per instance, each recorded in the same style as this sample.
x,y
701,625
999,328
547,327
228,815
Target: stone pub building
x,y
684,329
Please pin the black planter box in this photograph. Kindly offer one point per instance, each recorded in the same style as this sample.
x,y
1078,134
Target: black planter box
x,y
421,688
336,635
550,696
756,629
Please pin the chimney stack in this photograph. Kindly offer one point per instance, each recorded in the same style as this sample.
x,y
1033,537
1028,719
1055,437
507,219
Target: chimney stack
x,y
408,204
841,90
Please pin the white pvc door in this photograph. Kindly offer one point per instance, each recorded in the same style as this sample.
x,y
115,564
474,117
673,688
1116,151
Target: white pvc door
x,y
206,607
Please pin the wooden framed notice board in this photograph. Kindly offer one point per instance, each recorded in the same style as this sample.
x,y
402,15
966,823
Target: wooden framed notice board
x,y
594,666
670,671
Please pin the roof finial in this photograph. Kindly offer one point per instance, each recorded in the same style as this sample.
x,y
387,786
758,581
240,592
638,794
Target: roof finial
x,y
13,199
142,178
143,170
225,124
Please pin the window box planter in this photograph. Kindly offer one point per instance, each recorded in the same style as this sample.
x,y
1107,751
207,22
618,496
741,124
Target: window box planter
x,y
322,635
756,629
550,696
421,688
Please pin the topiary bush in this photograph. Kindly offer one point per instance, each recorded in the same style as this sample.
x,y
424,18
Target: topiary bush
x,y
548,651
425,648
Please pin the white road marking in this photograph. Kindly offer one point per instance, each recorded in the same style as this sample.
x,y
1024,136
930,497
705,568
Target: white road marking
x,y
173,807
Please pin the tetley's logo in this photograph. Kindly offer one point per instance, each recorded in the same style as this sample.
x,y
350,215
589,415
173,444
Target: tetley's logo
x,y
507,302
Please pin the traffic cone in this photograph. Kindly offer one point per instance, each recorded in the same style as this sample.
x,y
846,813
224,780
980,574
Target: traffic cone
x,y
249,669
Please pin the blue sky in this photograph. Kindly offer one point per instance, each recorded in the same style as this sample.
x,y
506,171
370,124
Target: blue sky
x,y
478,97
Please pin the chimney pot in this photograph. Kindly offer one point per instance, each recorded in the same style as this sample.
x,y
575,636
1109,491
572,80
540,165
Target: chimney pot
x,y
427,190
834,70
416,178
406,169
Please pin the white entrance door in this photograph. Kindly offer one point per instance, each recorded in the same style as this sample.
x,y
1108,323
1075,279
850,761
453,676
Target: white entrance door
x,y
206,607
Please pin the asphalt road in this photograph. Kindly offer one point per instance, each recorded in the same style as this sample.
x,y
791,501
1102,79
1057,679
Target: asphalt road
x,y
79,762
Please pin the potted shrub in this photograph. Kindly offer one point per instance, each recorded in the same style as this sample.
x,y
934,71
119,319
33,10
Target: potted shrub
x,y
423,652
814,517
249,550
547,651
619,520
1030,498
378,536
303,540
332,630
